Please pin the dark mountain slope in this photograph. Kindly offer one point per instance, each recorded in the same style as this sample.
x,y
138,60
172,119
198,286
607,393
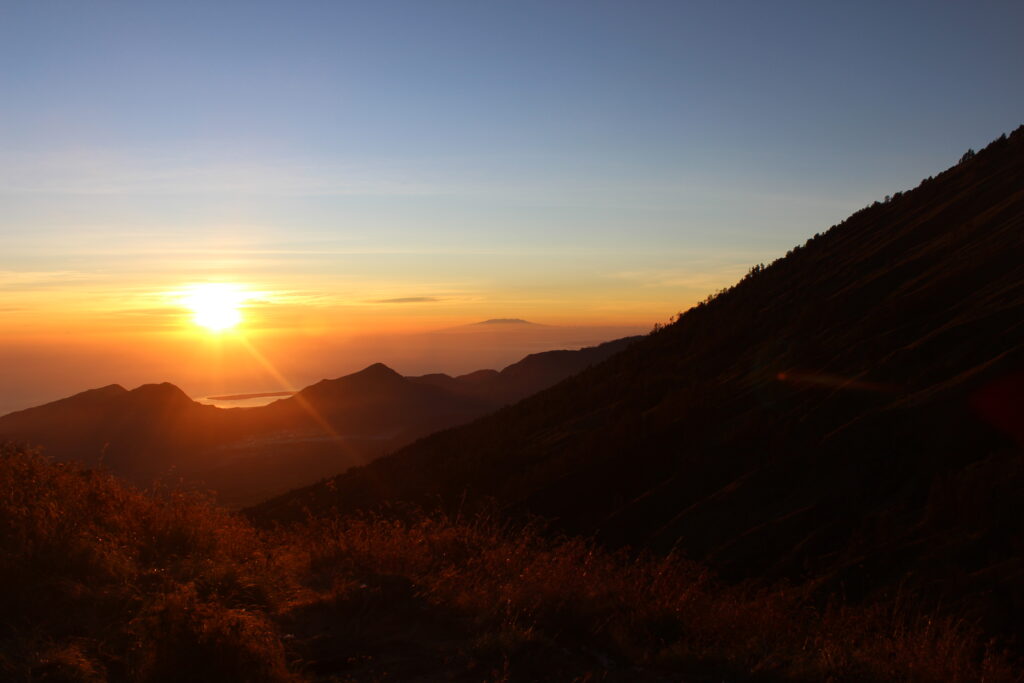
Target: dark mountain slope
x,y
850,414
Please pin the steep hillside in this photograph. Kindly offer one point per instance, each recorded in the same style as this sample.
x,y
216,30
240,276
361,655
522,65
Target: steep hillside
x,y
850,414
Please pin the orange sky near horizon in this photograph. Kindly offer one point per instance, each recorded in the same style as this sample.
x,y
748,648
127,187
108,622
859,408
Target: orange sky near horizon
x,y
102,320
60,336
43,303
40,367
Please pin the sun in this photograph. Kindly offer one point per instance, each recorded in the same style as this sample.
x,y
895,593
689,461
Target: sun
x,y
215,306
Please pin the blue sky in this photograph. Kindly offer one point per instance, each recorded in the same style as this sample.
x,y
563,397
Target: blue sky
x,y
587,161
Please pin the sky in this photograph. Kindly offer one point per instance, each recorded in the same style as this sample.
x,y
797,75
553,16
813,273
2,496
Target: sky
x,y
391,168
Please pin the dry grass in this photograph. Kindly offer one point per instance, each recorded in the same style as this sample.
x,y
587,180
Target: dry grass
x,y
100,582
640,613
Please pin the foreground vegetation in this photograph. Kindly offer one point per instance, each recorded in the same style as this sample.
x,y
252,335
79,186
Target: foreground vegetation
x,y
102,582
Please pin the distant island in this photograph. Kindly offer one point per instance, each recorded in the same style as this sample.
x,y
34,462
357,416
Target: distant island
x,y
242,397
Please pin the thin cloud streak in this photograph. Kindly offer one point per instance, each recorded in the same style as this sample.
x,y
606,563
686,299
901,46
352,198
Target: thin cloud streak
x,y
406,300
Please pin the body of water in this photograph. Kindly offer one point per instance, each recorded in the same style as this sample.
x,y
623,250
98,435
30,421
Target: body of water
x,y
253,402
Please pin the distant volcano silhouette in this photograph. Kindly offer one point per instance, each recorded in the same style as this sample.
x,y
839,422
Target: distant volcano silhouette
x,y
505,321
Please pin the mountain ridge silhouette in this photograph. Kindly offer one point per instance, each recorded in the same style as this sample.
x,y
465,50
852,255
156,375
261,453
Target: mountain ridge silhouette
x,y
245,454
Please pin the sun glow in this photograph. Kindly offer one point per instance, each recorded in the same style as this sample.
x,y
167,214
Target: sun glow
x,y
215,306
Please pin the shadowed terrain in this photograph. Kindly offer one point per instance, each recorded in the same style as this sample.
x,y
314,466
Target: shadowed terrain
x,y
848,417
